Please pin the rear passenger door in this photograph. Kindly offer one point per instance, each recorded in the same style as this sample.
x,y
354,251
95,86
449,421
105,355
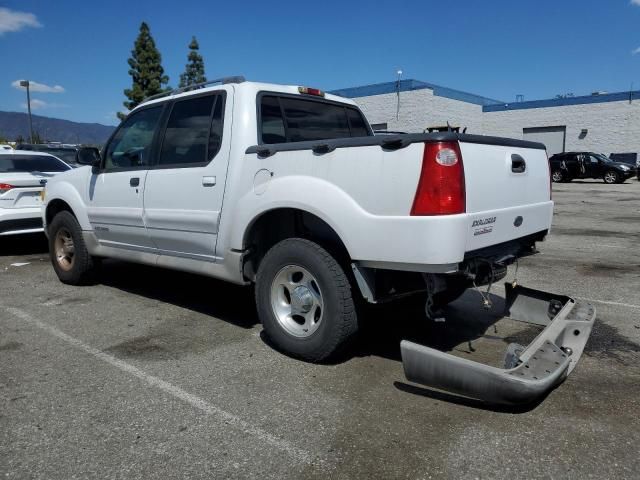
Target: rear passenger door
x,y
573,163
184,189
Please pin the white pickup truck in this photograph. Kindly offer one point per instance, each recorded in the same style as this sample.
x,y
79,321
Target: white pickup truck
x,y
287,188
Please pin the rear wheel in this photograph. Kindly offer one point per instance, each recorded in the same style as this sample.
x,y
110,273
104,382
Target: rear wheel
x,y
304,300
69,255
557,176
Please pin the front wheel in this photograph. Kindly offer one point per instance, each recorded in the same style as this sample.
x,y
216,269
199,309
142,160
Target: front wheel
x,y
304,301
611,177
69,255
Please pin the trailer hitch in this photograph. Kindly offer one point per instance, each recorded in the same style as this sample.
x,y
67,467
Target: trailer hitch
x,y
529,372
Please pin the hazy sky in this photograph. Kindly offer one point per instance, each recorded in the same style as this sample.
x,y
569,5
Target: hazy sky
x,y
78,50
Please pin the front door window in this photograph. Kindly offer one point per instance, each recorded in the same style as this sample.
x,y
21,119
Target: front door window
x,y
131,145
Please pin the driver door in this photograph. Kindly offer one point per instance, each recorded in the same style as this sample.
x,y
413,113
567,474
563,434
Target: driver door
x,y
116,191
595,169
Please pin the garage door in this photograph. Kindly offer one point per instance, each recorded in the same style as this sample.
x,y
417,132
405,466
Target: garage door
x,y
552,137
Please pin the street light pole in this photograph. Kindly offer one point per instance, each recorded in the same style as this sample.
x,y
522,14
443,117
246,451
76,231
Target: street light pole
x,y
25,83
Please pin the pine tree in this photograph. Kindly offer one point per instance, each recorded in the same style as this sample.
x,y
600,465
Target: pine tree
x,y
194,69
146,70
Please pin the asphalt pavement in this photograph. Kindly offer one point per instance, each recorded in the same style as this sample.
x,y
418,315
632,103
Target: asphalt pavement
x,y
152,373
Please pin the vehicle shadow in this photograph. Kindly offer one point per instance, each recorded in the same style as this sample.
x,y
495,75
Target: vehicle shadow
x,y
599,181
464,321
228,302
27,244
381,330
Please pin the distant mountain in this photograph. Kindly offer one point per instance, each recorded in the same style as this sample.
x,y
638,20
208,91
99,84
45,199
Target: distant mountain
x,y
14,124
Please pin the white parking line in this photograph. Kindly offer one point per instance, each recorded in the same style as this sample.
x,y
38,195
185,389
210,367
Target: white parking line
x,y
197,402
606,302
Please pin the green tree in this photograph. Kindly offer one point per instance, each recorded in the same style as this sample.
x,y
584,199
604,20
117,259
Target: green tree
x,y
146,70
194,69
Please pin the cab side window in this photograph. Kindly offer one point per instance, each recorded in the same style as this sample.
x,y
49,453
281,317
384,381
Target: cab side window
x,y
193,135
273,130
131,145
292,118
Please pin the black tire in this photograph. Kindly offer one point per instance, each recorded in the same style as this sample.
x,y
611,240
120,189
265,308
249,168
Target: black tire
x,y
79,270
338,323
611,177
558,176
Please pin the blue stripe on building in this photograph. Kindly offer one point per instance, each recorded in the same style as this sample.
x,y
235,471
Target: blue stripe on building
x,y
411,84
563,102
488,104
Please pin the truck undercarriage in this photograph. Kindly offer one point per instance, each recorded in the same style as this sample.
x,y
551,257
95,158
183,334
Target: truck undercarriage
x,y
529,372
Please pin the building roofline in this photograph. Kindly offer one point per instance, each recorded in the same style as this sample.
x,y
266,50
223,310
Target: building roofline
x,y
488,104
561,102
412,84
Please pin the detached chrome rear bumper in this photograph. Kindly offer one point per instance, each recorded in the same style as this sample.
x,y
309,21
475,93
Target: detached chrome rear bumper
x,y
529,371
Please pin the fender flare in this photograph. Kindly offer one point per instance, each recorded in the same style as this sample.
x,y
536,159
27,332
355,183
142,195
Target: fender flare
x,y
336,208
68,193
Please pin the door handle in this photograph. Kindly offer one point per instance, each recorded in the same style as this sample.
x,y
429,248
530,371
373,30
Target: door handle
x,y
134,182
208,181
518,165
323,148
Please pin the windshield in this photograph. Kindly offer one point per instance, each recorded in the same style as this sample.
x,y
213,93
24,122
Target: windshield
x,y
31,163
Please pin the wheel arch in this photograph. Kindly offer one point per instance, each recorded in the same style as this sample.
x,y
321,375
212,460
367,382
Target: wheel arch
x,y
56,206
63,195
277,224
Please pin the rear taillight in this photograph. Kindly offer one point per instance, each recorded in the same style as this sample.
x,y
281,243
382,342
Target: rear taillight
x,y
441,185
5,187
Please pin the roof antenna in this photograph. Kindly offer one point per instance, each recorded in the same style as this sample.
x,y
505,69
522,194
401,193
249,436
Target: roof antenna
x,y
399,73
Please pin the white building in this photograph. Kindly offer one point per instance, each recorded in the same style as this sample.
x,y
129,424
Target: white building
x,y
603,122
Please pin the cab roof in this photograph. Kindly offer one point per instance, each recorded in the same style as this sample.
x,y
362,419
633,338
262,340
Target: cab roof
x,y
241,85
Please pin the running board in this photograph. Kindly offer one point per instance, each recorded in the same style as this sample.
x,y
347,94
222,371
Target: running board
x,y
530,371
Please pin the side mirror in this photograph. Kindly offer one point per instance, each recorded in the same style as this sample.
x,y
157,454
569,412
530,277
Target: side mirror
x,y
88,156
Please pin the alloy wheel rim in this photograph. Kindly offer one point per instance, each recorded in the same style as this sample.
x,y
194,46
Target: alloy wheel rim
x,y
64,249
296,300
557,176
609,178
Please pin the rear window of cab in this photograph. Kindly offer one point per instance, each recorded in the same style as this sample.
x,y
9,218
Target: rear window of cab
x,y
291,119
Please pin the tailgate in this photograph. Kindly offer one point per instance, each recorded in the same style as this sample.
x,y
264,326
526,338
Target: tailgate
x,y
507,192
